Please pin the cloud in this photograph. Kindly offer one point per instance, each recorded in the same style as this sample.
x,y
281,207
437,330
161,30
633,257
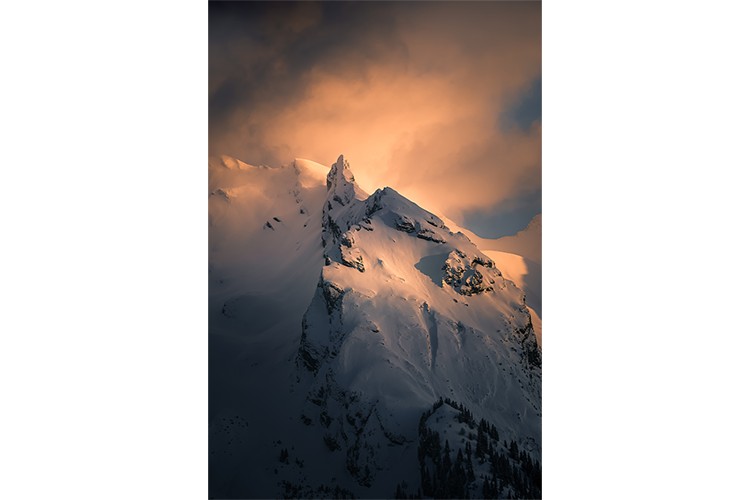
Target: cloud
x,y
409,92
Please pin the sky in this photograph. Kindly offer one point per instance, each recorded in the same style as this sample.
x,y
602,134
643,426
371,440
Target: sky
x,y
438,100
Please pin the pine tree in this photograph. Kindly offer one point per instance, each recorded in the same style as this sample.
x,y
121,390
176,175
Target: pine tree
x,y
514,450
494,433
426,484
486,493
446,458
399,492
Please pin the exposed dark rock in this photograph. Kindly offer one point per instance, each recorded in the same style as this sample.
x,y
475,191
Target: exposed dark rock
x,y
374,203
223,194
405,224
482,261
473,283
435,221
531,352
308,359
350,261
430,235
226,310
464,277
332,227
347,239
332,294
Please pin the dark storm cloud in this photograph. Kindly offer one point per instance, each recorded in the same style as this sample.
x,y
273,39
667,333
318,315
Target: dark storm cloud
x,y
261,53
409,92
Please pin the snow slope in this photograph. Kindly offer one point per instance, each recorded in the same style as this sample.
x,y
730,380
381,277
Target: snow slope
x,y
264,262
336,320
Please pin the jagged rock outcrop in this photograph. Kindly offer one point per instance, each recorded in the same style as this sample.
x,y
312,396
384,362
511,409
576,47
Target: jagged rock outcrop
x,y
465,275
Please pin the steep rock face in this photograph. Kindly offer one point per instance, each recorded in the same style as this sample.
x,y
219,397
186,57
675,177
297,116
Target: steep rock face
x,y
340,182
405,312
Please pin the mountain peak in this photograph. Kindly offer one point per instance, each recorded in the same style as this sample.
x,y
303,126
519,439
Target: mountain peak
x,y
341,185
340,174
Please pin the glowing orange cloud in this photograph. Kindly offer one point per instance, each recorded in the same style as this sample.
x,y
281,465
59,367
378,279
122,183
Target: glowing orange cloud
x,y
418,111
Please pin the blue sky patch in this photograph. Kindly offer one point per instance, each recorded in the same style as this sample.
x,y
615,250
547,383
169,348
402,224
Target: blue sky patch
x,y
525,110
505,219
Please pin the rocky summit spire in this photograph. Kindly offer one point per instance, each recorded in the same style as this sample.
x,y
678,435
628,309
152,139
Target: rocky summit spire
x,y
340,182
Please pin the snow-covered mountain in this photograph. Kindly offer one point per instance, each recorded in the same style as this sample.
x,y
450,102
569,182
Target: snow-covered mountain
x,y
347,330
